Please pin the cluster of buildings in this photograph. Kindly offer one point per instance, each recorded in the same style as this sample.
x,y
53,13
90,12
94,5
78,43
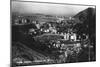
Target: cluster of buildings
x,y
69,38
53,30
46,27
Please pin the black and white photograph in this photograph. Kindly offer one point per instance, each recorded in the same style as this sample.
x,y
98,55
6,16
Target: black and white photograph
x,y
44,33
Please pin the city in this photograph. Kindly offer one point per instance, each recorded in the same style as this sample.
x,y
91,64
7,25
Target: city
x,y
46,39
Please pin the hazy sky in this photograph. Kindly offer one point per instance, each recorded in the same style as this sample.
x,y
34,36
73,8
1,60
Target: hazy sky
x,y
45,8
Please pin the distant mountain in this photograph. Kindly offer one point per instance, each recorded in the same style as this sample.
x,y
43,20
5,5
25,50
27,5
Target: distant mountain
x,y
30,14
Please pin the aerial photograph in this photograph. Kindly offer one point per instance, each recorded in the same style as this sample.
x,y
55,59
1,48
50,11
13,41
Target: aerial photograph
x,y
52,33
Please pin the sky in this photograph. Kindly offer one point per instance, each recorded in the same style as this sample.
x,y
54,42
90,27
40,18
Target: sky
x,y
46,8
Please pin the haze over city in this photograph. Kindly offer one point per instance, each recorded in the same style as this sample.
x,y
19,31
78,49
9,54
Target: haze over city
x,y
23,7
